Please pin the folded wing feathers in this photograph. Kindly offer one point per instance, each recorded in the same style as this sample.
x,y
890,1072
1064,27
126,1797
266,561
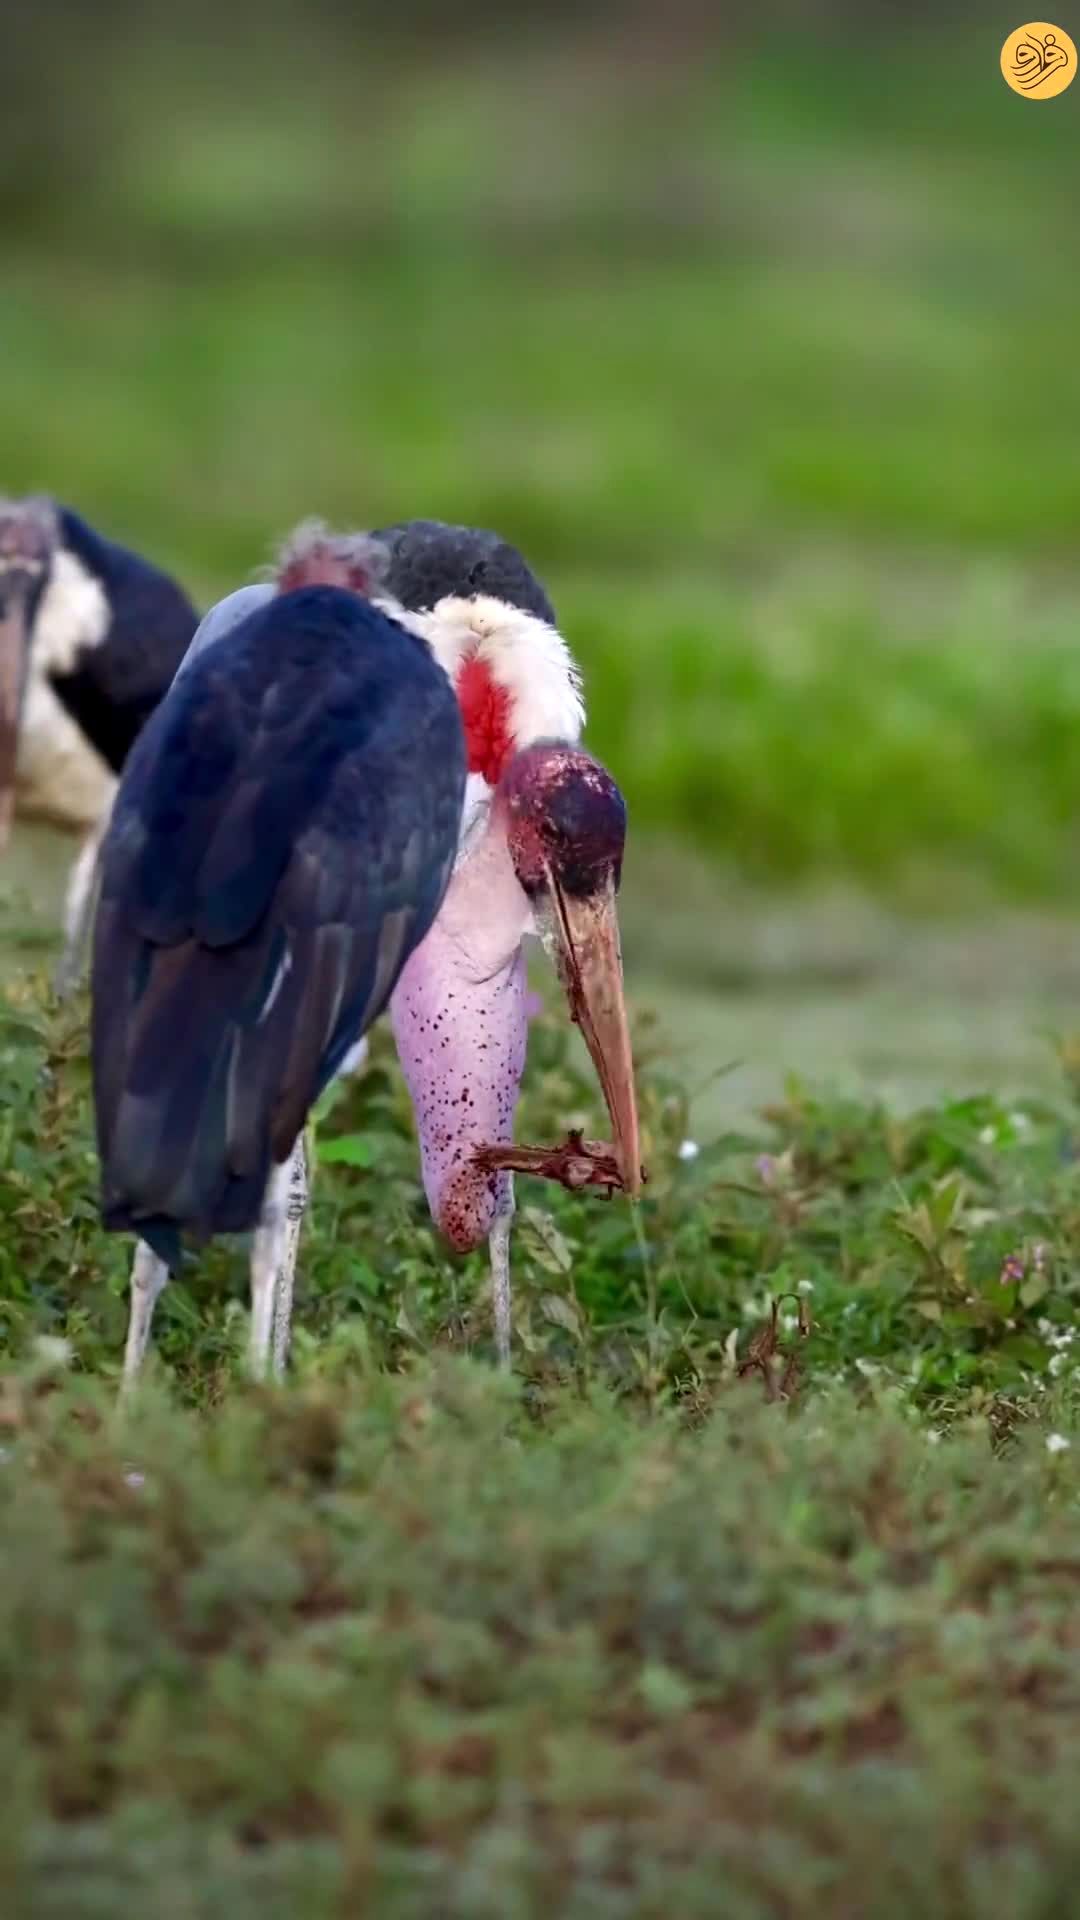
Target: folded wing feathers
x,y
239,952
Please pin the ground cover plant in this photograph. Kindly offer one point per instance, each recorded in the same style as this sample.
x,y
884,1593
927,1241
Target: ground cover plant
x,y
692,1600
936,1251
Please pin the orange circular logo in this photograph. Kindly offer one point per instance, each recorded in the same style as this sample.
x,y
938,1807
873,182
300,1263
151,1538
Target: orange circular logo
x,y
1039,60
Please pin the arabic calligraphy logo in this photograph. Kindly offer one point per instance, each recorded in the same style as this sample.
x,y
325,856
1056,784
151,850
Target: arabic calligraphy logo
x,y
1039,60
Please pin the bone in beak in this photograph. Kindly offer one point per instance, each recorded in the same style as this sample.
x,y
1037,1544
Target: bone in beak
x,y
589,959
13,655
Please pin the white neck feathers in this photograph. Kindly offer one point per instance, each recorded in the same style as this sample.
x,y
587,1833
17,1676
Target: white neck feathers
x,y
72,616
530,659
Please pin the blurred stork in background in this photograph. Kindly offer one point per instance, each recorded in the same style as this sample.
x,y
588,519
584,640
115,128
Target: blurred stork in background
x,y
90,638
282,838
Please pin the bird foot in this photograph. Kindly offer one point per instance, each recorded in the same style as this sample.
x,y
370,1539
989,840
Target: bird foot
x,y
576,1163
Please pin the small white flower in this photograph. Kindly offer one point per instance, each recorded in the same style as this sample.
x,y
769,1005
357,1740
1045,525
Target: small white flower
x,y
933,1437
53,1351
134,1479
987,1136
805,1286
1021,1121
1057,1443
688,1150
1058,1364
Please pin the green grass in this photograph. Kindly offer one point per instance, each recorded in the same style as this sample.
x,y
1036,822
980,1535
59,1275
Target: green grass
x,y
664,1612
405,1647
677,1606
768,365
682,1604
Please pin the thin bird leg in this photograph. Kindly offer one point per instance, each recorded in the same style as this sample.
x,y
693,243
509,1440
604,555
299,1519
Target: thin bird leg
x,y
266,1257
79,904
148,1277
295,1208
356,1059
499,1249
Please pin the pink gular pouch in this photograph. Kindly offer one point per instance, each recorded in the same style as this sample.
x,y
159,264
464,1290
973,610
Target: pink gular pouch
x,y
460,1021
545,860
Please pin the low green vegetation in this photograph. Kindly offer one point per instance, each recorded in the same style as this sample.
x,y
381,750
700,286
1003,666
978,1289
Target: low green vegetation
x,y
759,1574
766,363
936,1252
420,1643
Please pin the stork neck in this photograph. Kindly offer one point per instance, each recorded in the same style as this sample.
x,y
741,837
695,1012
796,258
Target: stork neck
x,y
486,913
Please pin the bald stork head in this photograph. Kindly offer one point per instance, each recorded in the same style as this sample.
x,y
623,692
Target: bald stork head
x,y
315,556
29,533
431,560
565,824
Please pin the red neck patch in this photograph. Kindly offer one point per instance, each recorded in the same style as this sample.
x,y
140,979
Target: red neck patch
x,y
485,715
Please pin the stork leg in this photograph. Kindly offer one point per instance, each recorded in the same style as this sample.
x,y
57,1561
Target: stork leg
x,y
295,1208
79,911
265,1258
273,1263
499,1249
356,1059
148,1277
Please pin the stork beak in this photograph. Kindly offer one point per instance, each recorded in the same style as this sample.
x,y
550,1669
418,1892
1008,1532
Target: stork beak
x,y
589,960
14,649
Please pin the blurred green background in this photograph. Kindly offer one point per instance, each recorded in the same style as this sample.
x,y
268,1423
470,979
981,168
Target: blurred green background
x,y
757,332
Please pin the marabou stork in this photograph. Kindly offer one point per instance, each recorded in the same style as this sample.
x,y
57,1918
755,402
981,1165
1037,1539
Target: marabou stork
x,y
541,852
281,841
90,638
541,845
539,849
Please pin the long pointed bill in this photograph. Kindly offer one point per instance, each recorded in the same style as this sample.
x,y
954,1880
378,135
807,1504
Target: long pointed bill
x,y
589,957
13,652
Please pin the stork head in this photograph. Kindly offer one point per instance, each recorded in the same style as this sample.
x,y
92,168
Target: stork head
x,y
565,830
314,556
430,560
28,538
